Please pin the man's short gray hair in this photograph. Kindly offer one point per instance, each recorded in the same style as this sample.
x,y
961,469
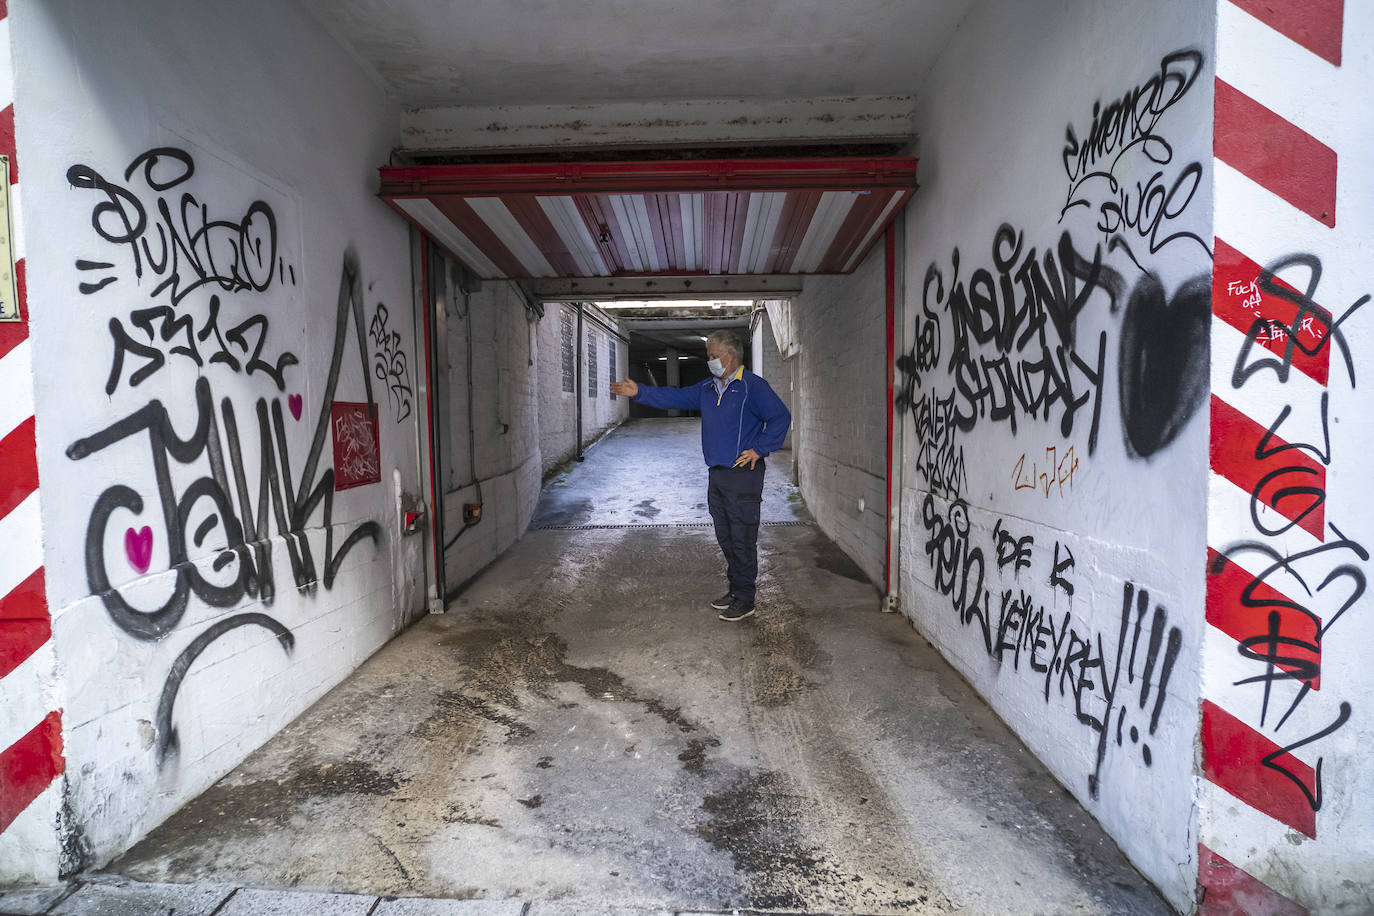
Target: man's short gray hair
x,y
728,339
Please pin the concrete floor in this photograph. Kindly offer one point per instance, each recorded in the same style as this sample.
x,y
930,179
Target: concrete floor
x,y
580,728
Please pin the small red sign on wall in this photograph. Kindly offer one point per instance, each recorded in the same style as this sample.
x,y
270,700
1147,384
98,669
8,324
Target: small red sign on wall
x,y
357,452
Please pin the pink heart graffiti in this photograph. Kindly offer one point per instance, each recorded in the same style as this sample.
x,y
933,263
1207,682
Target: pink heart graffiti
x,y
296,404
138,547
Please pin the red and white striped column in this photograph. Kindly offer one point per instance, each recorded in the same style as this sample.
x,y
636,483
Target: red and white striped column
x,y
31,761
1281,228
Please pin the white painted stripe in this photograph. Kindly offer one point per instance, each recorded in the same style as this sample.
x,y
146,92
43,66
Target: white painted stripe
x,y
22,534
751,230
690,207
16,380
567,220
699,218
873,230
1282,75
438,225
507,228
1262,396
1229,523
627,230
645,233
26,695
1224,666
834,206
29,847
1256,221
777,200
1235,831
6,65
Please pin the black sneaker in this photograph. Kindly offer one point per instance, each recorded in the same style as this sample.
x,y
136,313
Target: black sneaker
x,y
723,602
738,610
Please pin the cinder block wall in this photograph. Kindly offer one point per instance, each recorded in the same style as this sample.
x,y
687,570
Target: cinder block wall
x,y
840,418
559,390
499,463
600,409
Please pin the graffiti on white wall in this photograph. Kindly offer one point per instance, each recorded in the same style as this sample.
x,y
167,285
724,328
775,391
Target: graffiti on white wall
x,y
1051,341
225,486
175,245
389,361
1123,137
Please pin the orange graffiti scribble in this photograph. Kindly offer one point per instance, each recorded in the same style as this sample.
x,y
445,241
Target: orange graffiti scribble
x,y
1059,470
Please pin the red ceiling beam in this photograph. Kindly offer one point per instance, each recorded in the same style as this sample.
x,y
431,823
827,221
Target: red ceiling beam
x,y
682,176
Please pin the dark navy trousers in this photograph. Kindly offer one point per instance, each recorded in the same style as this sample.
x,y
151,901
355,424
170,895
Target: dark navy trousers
x,y
735,498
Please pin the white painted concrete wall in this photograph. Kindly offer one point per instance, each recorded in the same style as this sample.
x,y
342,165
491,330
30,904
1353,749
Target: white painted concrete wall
x,y
840,419
180,667
1035,532
1304,827
659,123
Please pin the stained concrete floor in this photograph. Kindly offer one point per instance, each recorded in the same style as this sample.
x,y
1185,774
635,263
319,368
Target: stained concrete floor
x,y
581,728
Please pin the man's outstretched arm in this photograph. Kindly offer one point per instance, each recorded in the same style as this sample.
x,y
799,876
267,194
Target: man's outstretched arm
x,y
654,396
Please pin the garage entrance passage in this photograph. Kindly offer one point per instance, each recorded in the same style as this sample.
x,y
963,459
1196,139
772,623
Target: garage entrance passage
x,y
580,727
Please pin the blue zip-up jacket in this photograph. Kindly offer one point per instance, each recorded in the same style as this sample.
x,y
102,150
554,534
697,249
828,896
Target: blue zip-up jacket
x,y
747,414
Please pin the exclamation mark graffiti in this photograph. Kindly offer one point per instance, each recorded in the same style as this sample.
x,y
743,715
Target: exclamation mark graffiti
x,y
1158,623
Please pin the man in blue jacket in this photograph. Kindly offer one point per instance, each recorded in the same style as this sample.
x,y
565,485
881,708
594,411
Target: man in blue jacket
x,y
742,422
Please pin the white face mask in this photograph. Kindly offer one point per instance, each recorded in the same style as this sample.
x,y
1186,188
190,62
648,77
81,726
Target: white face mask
x,y
716,366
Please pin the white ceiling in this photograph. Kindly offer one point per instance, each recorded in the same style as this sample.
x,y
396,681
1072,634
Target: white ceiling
x,y
575,52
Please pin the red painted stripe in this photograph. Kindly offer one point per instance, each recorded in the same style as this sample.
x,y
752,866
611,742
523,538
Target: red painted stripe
x,y
649,176
1317,25
18,467
4,9
1227,890
797,210
860,218
541,231
476,229
24,622
1233,758
1229,612
1235,441
29,766
598,214
7,141
1238,301
13,333
1275,153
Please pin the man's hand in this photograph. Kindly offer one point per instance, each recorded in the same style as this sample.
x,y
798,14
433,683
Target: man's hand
x,y
626,389
748,456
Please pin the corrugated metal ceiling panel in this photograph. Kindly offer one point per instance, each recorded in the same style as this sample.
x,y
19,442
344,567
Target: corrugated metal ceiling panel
x,y
655,218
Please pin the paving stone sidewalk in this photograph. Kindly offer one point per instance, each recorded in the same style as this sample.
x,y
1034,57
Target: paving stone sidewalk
x,y
131,898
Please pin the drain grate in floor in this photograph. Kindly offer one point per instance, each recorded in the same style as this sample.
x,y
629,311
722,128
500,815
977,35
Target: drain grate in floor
x,y
661,525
